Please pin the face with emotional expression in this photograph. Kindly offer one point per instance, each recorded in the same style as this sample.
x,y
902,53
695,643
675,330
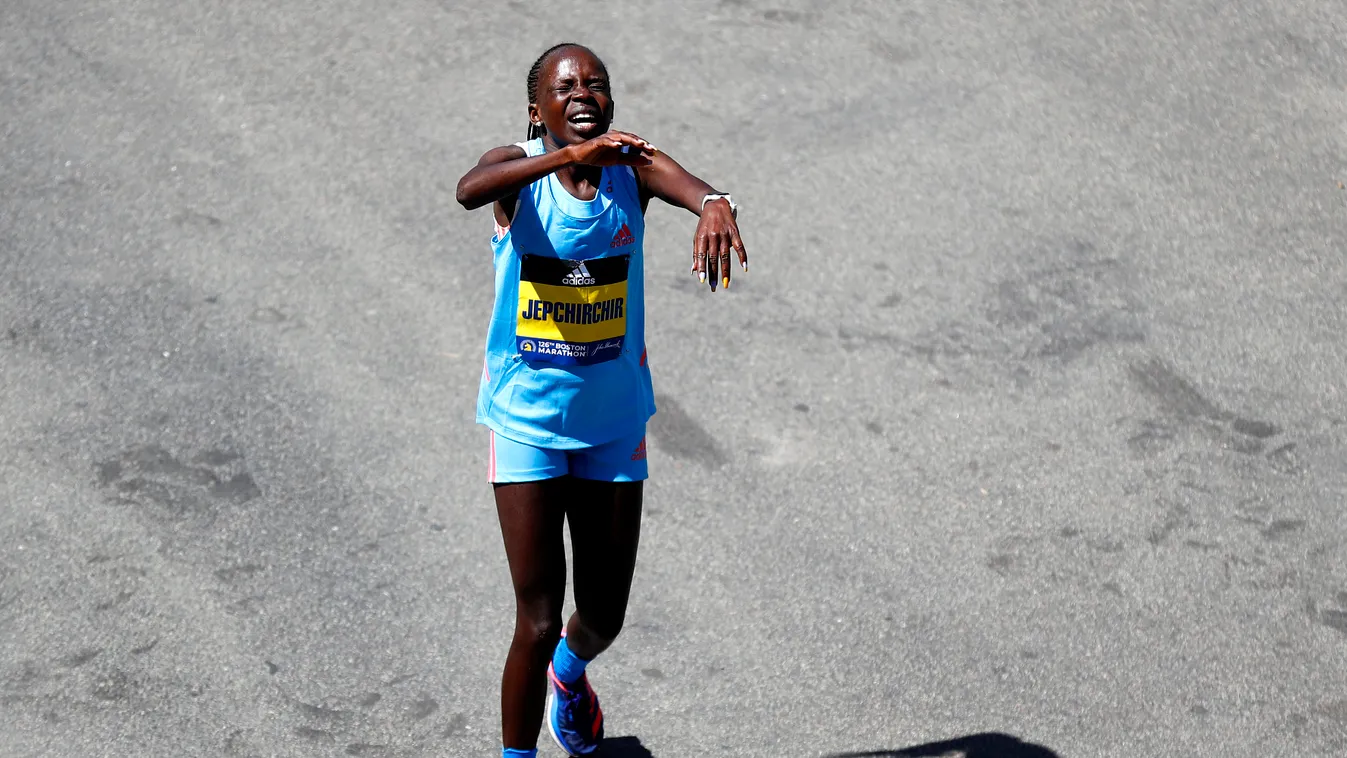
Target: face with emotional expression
x,y
574,101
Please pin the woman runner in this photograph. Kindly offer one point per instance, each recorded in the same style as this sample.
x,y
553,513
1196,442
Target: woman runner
x,y
566,389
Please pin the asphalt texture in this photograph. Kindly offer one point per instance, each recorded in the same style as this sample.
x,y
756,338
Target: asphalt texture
x,y
1024,434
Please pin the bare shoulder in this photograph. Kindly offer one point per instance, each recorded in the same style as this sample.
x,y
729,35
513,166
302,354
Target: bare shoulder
x,y
661,165
660,162
502,154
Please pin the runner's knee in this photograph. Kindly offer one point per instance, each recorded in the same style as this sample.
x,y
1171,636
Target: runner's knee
x,y
542,630
604,626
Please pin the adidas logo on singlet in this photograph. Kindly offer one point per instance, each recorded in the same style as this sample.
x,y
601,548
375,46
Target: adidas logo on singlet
x,y
623,237
578,277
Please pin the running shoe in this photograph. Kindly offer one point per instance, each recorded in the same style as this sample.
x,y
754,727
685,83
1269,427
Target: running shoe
x,y
574,717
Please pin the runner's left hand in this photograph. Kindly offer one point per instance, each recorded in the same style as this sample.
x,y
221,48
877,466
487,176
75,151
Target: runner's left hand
x,y
717,235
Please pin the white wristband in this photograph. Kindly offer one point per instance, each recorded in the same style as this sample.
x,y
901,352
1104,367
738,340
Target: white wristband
x,y
734,209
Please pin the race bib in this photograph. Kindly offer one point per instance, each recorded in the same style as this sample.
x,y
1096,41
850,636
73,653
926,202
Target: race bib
x,y
572,312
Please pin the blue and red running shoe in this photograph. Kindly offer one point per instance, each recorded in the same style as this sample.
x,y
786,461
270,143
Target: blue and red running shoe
x,y
573,714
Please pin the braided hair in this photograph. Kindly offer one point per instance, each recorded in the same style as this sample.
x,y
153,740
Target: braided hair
x,y
538,130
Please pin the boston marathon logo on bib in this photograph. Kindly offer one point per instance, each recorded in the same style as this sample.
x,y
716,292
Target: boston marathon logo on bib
x,y
572,312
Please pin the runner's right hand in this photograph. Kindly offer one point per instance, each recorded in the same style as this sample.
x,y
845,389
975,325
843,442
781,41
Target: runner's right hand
x,y
606,150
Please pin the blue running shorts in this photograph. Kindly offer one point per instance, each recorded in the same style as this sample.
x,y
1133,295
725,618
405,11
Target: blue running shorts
x,y
622,460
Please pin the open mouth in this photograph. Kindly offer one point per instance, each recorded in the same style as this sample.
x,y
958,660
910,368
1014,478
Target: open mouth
x,y
584,119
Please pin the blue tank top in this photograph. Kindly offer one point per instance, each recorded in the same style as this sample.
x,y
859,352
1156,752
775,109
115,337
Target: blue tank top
x,y
565,352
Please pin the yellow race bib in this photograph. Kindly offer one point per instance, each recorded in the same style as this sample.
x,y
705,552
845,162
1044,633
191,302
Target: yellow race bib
x,y
572,312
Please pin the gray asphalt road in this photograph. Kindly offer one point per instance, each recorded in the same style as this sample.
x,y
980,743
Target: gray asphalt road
x,y
1028,419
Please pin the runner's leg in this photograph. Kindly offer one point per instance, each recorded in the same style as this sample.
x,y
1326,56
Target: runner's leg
x,y
531,515
605,525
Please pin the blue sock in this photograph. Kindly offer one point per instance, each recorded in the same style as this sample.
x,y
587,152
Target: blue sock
x,y
510,752
568,665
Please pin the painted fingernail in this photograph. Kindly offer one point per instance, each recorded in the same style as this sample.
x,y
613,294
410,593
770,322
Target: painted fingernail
x,y
725,282
745,265
702,276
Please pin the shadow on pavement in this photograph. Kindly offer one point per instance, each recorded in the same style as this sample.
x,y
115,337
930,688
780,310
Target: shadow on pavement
x,y
989,745
623,747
